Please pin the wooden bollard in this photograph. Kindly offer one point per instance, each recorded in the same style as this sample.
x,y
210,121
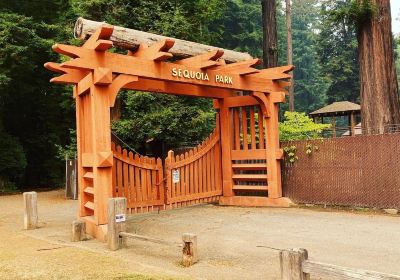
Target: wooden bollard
x,y
116,222
291,262
30,210
190,255
78,231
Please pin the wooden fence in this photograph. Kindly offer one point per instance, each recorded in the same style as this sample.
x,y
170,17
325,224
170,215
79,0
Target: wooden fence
x,y
195,176
296,266
138,178
352,171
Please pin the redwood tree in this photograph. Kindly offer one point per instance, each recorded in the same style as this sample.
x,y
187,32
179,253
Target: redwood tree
x,y
270,33
380,105
290,50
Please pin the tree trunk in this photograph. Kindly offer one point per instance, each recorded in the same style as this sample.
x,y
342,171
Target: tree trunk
x,y
290,51
131,39
380,106
270,34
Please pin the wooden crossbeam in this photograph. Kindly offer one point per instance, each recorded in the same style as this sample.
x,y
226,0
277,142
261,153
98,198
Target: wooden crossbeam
x,y
241,68
156,52
203,61
276,73
68,76
104,33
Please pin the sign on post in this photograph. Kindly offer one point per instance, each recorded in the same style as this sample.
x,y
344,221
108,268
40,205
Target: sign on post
x,y
175,176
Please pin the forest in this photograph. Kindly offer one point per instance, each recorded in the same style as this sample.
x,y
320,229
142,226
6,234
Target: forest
x,y
37,118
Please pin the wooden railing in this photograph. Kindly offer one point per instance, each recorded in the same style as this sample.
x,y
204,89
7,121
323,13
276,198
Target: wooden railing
x,y
139,179
195,176
296,266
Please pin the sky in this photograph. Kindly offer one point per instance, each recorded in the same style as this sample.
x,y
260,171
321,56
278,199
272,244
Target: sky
x,y
395,7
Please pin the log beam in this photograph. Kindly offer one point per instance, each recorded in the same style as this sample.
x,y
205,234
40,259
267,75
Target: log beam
x,y
131,39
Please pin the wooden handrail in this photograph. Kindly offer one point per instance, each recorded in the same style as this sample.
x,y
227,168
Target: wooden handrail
x,y
338,272
296,266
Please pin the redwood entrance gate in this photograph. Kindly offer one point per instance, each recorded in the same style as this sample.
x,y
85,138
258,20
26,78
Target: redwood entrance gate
x,y
241,158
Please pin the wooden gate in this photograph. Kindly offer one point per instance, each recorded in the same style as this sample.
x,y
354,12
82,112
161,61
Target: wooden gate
x,y
139,179
195,176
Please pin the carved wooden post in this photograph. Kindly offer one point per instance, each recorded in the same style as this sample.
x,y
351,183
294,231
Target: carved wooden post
x,y
78,231
168,174
116,222
190,255
225,135
291,262
30,210
274,153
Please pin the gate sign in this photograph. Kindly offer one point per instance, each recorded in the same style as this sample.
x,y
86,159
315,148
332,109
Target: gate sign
x,y
175,176
120,218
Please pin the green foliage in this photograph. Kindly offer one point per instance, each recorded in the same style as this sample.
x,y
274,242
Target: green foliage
x,y
337,49
298,126
151,120
32,110
356,12
397,54
12,159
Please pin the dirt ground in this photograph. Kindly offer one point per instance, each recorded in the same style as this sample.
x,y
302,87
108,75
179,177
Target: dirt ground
x,y
234,243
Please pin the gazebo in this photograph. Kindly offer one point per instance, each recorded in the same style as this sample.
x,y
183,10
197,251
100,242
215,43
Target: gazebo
x,y
338,109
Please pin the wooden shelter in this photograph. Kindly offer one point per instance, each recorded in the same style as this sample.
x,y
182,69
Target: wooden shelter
x,y
239,164
337,109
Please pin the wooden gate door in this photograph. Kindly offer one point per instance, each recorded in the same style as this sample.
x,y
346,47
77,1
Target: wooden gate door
x,y
248,152
251,153
139,179
195,176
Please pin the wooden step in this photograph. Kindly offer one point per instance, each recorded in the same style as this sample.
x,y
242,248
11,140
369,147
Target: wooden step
x,y
249,177
88,175
249,166
89,205
250,188
89,190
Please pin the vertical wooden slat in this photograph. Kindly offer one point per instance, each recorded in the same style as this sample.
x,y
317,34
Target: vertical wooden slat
x,y
191,175
261,129
244,128
154,181
168,173
160,181
148,181
125,174
218,166
137,181
200,175
204,173
119,174
208,171
196,173
182,177
236,128
132,191
187,177
143,178
114,173
212,168
252,129
177,186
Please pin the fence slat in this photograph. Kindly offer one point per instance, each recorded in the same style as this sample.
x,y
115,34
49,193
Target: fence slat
x,y
244,128
260,129
252,129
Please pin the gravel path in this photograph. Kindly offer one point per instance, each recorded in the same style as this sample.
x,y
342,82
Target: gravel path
x,y
234,243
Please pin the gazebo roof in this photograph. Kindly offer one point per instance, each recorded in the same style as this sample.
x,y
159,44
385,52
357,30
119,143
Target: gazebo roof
x,y
337,108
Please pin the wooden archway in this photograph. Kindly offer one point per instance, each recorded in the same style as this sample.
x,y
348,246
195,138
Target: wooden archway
x,y
97,76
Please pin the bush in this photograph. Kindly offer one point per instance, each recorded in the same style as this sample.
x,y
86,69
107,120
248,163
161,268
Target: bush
x,y
298,126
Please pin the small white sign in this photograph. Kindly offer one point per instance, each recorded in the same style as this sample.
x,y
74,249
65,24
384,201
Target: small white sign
x,y
120,218
175,176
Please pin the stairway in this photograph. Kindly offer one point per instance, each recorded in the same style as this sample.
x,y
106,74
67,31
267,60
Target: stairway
x,y
250,177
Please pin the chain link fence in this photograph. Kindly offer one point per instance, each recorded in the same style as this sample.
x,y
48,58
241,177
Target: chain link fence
x,y
359,171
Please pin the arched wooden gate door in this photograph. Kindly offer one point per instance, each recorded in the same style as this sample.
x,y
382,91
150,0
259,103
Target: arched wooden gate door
x,y
239,161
